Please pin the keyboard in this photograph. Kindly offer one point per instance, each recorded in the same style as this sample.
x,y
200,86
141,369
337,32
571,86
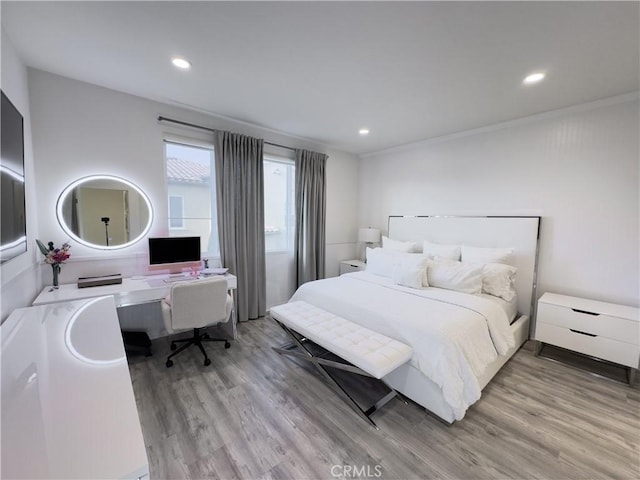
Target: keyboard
x,y
180,279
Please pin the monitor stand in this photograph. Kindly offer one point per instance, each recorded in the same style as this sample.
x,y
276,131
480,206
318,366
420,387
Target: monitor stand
x,y
175,268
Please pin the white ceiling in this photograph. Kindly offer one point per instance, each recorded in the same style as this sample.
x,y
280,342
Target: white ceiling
x,y
407,71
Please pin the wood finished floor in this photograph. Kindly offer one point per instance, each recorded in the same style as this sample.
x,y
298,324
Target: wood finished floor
x,y
253,414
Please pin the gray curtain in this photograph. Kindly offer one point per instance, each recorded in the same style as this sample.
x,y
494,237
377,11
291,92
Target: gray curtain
x,y
240,206
310,215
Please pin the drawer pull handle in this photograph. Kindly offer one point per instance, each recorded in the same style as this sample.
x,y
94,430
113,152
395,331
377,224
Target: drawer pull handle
x,y
583,333
585,312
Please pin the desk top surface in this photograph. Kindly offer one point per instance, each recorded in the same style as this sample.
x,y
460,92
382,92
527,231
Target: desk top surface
x,y
68,409
130,292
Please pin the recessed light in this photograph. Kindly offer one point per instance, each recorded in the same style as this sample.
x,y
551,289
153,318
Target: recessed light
x,y
181,63
533,78
364,131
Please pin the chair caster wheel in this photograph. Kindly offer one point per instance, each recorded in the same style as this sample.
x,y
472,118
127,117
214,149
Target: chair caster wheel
x,y
173,346
227,344
207,362
169,363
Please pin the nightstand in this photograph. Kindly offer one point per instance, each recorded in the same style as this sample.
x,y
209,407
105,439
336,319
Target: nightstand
x,y
348,266
602,330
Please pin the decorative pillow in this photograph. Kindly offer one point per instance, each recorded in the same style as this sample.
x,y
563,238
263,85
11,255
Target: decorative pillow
x,y
437,250
463,277
487,255
398,246
410,271
498,280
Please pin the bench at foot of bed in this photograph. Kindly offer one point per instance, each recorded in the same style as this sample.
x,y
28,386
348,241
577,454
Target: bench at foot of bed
x,y
365,352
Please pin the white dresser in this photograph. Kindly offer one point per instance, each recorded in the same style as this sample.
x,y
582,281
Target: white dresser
x,y
68,408
598,329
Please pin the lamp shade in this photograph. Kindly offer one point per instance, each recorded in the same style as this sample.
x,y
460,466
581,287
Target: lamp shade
x,y
369,235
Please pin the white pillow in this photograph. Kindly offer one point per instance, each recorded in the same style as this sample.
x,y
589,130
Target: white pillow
x,y
463,277
380,262
437,250
439,259
398,246
498,280
487,255
410,271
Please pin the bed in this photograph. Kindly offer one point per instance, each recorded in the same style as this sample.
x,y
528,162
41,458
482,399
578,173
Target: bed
x,y
460,340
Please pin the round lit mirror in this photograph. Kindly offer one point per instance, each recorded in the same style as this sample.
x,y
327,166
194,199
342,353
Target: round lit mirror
x,y
102,211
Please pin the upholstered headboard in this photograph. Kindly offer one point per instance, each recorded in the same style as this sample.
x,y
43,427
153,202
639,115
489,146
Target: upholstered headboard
x,y
519,233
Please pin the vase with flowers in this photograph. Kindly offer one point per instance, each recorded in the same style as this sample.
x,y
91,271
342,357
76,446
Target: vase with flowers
x,y
54,257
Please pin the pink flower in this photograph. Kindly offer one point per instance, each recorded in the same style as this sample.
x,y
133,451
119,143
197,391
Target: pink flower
x,y
52,255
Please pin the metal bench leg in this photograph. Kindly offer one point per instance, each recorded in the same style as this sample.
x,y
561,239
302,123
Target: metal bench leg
x,y
319,364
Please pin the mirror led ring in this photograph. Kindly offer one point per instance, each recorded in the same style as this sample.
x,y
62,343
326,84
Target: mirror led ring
x,y
67,191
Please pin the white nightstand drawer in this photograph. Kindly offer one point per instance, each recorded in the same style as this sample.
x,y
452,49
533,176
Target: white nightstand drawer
x,y
600,347
620,329
348,266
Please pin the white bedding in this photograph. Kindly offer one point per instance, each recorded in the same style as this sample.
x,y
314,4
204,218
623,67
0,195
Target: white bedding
x,y
454,335
510,307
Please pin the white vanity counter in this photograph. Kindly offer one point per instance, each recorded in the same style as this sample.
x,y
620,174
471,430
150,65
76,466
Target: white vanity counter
x,y
68,409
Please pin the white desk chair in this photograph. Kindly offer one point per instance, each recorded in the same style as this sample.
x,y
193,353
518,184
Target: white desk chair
x,y
196,305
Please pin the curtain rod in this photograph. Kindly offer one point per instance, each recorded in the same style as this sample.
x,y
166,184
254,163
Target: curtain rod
x,y
193,125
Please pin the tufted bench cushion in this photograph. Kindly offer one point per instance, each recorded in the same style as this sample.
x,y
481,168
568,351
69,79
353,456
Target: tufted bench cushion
x,y
370,351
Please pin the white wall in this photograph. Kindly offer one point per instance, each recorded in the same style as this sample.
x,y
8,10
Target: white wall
x,y
19,277
342,211
577,168
82,129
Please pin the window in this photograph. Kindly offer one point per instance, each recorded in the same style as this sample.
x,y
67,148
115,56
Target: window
x,y
279,204
176,211
191,197
191,190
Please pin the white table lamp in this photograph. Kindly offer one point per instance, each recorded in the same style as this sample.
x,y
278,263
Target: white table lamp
x,y
368,236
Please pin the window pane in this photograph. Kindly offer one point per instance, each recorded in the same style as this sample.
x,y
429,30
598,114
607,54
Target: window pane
x,y
176,212
279,207
192,195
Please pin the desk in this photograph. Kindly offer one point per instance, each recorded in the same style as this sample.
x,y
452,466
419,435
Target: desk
x,y
130,292
68,408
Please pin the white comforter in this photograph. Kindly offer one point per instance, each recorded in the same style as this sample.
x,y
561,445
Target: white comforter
x,y
454,335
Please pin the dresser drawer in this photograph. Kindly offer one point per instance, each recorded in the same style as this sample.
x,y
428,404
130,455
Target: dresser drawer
x,y
596,346
615,328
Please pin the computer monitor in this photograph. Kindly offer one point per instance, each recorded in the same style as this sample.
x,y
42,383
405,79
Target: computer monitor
x,y
174,250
